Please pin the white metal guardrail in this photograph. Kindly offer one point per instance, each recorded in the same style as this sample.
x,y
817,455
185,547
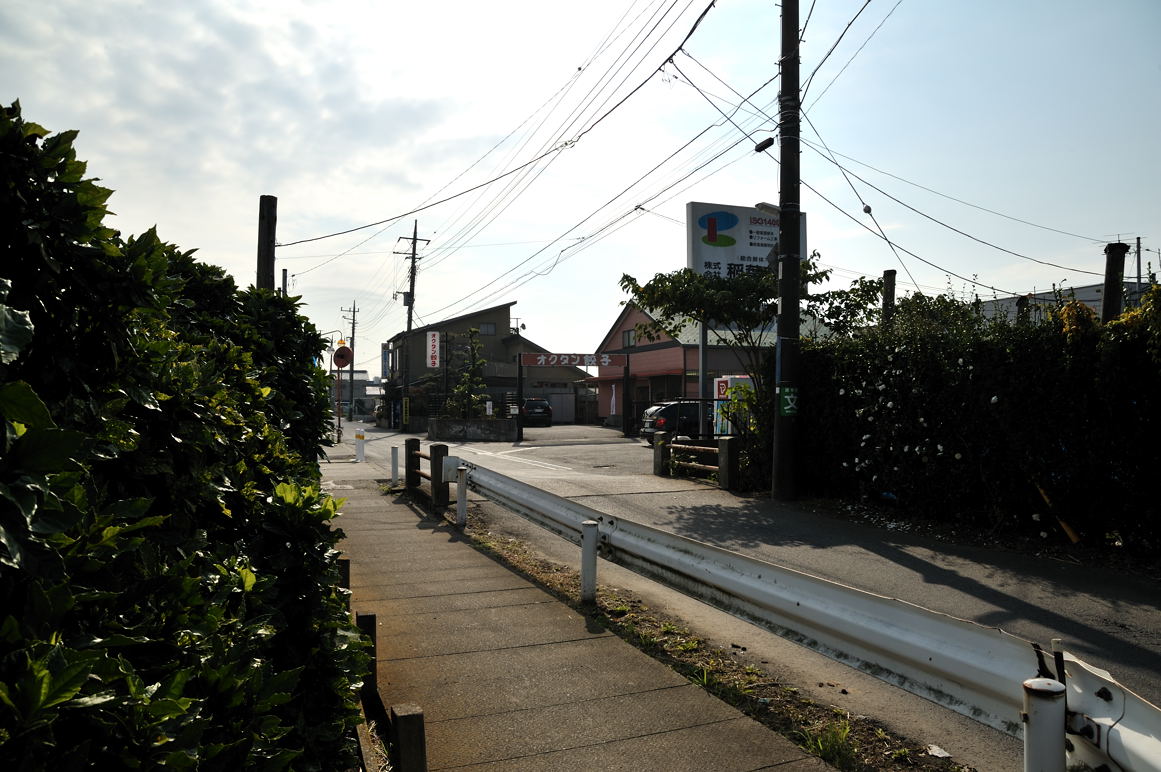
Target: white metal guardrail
x,y
975,670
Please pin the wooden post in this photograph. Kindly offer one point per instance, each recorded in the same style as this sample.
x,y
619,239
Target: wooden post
x,y
267,227
440,494
408,739
728,463
1111,304
411,462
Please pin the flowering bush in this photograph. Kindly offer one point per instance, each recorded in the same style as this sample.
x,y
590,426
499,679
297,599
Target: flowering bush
x,y
993,423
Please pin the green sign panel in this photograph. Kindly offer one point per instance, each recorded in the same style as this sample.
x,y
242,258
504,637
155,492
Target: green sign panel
x,y
788,400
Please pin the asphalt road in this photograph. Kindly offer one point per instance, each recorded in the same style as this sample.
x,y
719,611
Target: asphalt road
x,y
1106,618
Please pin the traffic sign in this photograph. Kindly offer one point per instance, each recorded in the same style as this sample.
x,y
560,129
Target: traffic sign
x,y
343,357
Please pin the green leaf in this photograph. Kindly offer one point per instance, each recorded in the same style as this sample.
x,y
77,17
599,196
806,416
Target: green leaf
x,y
45,450
15,331
18,402
248,578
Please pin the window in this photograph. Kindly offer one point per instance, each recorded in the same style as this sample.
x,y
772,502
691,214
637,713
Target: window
x,y
487,328
628,338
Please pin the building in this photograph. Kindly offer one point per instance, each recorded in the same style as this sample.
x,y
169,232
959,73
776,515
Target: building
x,y
1040,303
406,359
660,370
365,396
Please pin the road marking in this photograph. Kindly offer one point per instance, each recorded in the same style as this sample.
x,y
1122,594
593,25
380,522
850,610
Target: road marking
x,y
529,461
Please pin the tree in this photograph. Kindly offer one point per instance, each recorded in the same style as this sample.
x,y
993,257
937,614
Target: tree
x,y
468,396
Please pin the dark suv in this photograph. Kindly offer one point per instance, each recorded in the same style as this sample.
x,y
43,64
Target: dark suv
x,y
536,410
673,417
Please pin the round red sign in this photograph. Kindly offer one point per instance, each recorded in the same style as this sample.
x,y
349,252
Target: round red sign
x,y
343,356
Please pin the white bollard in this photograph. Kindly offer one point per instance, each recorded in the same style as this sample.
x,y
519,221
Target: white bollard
x,y
359,447
1043,725
461,497
394,466
588,593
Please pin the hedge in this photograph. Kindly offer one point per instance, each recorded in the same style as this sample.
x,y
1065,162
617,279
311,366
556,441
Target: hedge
x,y
168,577
1004,426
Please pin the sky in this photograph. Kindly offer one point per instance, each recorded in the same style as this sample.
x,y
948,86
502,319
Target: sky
x,y
541,149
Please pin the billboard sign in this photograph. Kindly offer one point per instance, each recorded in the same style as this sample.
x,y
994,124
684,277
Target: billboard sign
x,y
726,241
433,350
576,360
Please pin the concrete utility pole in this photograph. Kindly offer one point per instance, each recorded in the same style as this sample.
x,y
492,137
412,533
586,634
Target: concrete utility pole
x,y
787,344
409,301
267,226
353,310
1114,278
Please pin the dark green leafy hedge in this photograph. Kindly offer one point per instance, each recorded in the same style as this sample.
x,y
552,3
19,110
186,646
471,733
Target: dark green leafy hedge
x,y
1002,426
167,566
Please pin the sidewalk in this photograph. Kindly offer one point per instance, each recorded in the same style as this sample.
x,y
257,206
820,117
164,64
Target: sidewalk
x,y
508,677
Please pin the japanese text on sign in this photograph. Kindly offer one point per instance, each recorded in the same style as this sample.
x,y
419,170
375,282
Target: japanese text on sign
x,y
433,350
575,360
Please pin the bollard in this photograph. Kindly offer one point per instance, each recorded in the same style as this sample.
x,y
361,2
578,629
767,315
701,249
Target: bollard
x,y
589,538
1044,725
394,465
360,446
661,454
461,497
728,463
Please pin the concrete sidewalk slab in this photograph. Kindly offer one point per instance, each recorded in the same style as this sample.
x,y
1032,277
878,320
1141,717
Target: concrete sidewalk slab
x,y
508,677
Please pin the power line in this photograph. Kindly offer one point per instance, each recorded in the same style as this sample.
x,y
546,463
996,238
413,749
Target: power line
x,y
965,203
562,146
866,207
963,233
856,53
809,80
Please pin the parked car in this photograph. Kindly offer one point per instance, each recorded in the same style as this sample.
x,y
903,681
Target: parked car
x,y
536,410
673,417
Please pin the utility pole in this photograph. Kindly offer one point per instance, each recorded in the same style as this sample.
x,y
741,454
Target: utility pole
x,y
354,311
409,301
787,343
267,226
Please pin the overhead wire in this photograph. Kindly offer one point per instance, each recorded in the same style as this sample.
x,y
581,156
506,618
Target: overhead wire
x,y
866,207
817,67
961,232
856,53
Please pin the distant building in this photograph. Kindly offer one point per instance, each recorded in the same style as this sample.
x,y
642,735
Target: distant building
x,y
406,355
1040,303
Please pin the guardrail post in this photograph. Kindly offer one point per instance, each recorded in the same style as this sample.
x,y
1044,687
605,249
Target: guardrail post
x,y
440,491
728,463
1044,725
360,446
411,462
461,497
588,593
408,739
394,465
661,454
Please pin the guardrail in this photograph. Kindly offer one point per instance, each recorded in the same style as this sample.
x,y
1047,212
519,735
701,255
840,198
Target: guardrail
x,y
974,670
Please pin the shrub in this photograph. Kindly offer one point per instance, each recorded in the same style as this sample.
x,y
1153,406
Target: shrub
x,y
167,566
